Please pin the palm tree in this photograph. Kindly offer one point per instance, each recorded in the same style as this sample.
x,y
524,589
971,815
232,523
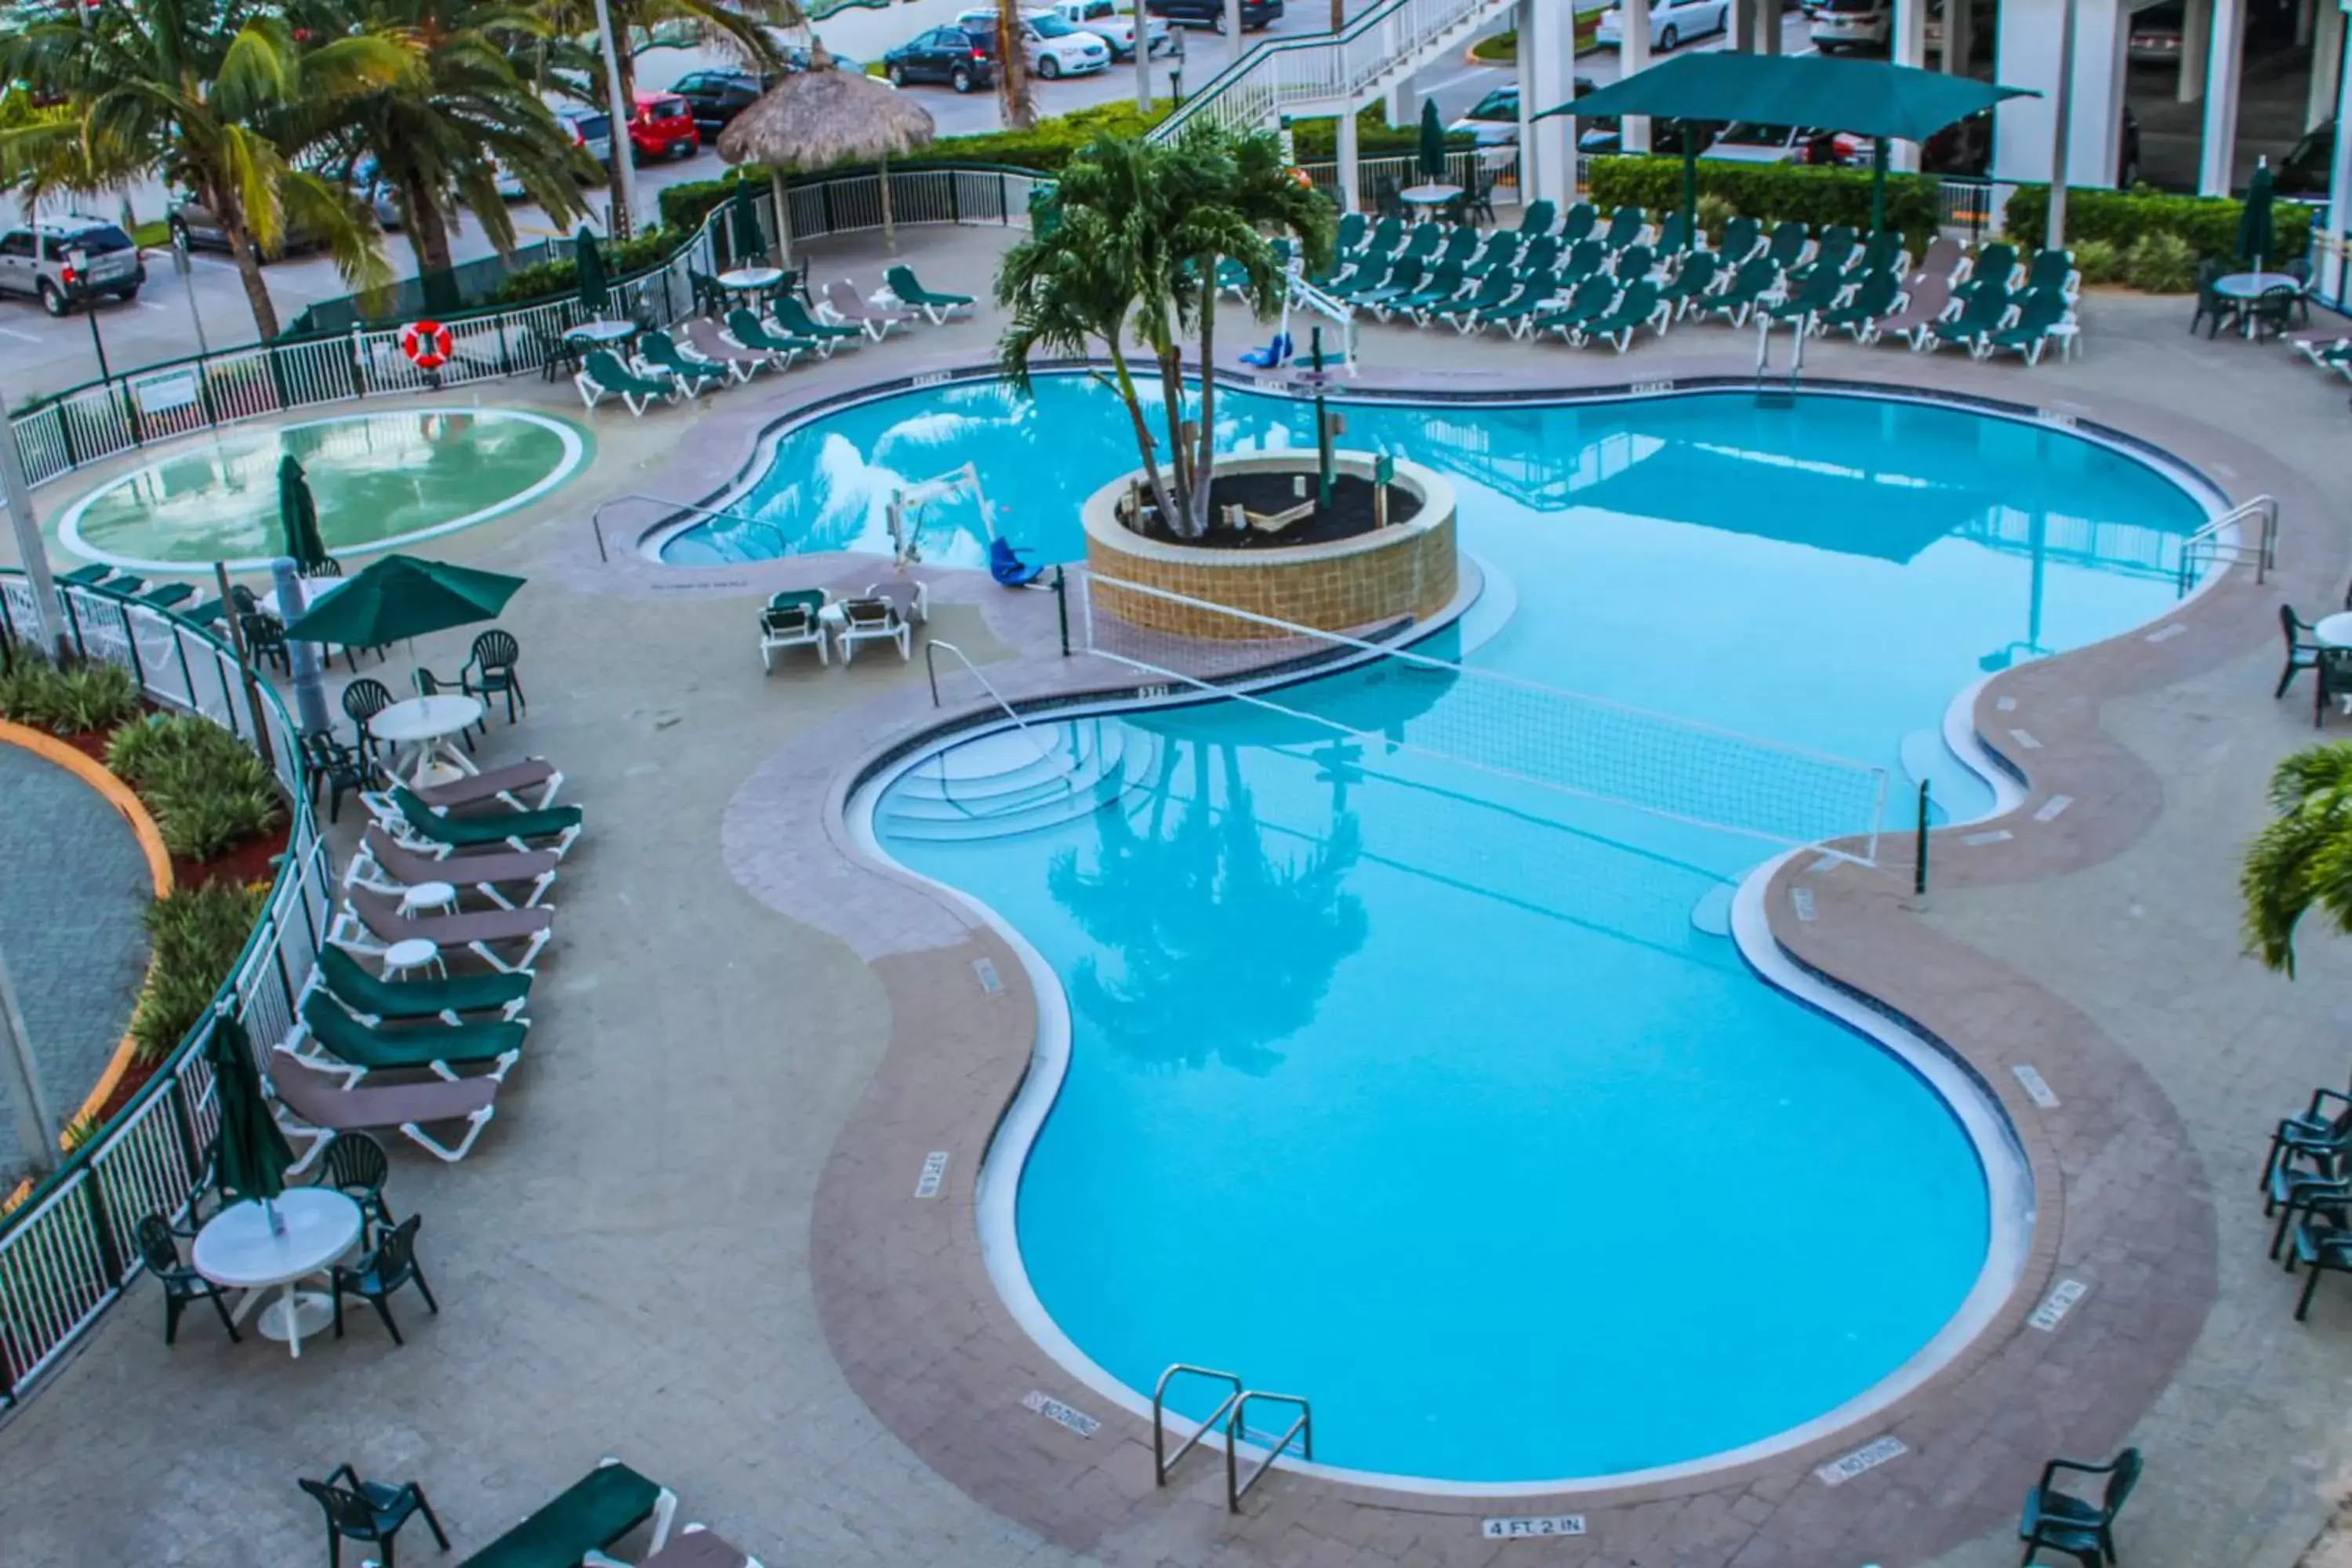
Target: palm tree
x,y
440,138
204,94
2305,856
1013,69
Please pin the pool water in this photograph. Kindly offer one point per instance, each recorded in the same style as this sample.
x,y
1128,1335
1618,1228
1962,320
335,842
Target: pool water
x,y
1441,1098
381,480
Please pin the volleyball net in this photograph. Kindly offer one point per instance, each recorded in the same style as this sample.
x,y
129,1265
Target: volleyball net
x,y
1502,725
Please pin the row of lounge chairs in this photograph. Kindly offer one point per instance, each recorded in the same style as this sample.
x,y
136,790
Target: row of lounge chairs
x,y
369,1052
809,617
702,355
579,1525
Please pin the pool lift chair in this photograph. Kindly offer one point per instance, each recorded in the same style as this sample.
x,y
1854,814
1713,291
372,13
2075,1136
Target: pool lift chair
x,y
907,503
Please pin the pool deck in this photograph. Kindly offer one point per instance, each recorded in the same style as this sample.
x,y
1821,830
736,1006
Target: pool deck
x,y
690,1239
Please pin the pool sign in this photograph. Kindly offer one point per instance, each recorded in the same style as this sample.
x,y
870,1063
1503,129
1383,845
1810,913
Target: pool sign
x,y
1869,1457
935,1168
1054,1410
1529,1527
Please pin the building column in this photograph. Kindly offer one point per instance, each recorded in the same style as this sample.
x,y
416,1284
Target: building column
x,y
2326,66
2225,57
2306,21
1768,27
1741,26
1633,58
1349,165
2026,55
1909,48
2196,39
1547,70
1959,36
2333,281
1404,104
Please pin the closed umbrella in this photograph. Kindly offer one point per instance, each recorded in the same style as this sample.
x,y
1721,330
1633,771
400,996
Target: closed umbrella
x,y
1433,142
590,264
403,596
744,219
251,1156
298,513
2254,238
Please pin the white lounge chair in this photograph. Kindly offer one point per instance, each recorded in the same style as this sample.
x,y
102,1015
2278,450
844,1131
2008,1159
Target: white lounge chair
x,y
313,1103
912,597
874,620
791,625
370,923
842,304
385,863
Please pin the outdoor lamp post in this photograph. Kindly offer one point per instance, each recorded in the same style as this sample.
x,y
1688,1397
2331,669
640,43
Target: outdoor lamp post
x,y
625,171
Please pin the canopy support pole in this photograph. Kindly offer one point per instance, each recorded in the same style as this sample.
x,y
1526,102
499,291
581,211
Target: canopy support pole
x,y
1878,186
1690,190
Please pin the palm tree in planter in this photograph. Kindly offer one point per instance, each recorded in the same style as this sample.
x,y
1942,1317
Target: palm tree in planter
x,y
209,94
1131,252
2305,856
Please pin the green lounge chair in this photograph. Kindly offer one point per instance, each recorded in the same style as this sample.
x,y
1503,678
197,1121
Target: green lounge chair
x,y
1351,231
1541,255
1371,276
911,293
1836,245
751,332
561,823
1627,225
1874,299
1788,246
1585,258
1741,238
801,327
2054,270
1639,306
1501,250
1818,294
1701,271
2082,1529
163,596
1748,290
657,355
1435,290
602,375
358,1049
1401,281
1536,291
1422,242
1493,290
2040,315
1883,252
374,1000
1983,313
1578,225
1634,263
1460,245
1592,299
89,576
593,1513
1671,236
1537,217
1995,262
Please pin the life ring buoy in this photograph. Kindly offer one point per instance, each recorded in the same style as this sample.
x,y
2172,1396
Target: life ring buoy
x,y
427,344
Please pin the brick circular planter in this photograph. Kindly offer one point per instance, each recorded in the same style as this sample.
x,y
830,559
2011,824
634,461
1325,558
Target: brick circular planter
x,y
1404,569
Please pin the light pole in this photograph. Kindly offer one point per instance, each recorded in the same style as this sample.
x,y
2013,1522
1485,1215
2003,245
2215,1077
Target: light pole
x,y
625,172
188,282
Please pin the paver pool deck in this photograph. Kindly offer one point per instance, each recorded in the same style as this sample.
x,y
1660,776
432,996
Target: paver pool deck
x,y
689,1238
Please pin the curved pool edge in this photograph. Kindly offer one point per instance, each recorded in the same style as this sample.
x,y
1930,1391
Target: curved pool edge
x,y
574,456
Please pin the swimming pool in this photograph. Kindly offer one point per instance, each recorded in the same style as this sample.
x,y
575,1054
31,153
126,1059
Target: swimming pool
x,y
381,481
1444,1099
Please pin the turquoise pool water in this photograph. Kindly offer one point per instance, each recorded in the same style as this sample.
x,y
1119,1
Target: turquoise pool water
x,y
1437,1096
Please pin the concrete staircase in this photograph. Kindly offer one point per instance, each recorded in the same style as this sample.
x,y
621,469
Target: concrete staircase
x,y
1018,781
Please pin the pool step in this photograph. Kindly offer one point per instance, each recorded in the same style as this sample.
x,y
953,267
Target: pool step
x,y
1093,764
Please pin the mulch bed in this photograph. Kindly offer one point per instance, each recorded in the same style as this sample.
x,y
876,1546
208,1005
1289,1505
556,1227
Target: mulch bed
x,y
1348,516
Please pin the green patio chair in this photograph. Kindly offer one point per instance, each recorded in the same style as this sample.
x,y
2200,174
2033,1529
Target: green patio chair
x,y
799,325
1749,288
2303,1192
709,295
1501,250
1627,225
379,1275
2333,675
368,1511
1535,218
376,999
356,1166
2272,312
181,1283
1493,290
1741,238
2041,316
361,1049
2323,1246
592,1514
911,292
1592,299
2054,1521
657,356
1701,271
1439,286
1983,313
1515,314
602,375
1637,307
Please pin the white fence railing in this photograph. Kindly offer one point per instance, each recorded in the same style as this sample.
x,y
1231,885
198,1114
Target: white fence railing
x,y
69,1249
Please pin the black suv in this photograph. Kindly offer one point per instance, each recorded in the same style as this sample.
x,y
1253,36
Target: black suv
x,y
1256,14
962,60
717,97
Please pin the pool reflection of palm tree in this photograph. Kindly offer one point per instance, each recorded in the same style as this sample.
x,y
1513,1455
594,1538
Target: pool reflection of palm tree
x,y
1224,949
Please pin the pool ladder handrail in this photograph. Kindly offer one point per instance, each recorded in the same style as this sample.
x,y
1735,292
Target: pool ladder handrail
x,y
933,647
1230,1412
1803,326
2261,554
596,518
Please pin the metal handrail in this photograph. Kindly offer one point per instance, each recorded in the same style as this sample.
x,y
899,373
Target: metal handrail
x,y
1162,1463
2209,539
931,647
596,518
1237,1429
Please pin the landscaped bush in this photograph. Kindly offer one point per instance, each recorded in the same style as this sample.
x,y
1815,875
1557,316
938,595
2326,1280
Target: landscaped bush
x,y
198,933
1713,214
2161,264
92,696
2208,224
1769,193
2099,261
209,793
542,279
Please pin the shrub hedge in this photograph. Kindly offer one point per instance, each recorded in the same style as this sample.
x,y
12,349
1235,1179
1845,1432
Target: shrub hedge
x,y
543,280
2208,223
1770,193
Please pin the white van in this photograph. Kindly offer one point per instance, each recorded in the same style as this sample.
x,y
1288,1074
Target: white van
x,y
1114,26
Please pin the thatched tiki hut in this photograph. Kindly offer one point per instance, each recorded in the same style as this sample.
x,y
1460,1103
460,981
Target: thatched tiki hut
x,y
824,116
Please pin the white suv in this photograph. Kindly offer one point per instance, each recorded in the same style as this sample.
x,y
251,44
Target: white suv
x,y
1853,24
1114,26
1054,48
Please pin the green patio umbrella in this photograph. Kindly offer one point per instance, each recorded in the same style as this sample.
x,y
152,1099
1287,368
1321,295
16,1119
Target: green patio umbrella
x,y
298,514
743,225
2254,238
403,596
591,263
1431,162
250,1156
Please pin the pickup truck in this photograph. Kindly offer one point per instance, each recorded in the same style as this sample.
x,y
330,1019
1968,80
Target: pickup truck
x,y
1113,27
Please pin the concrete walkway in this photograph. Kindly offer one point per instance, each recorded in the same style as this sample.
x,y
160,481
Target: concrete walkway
x,y
625,1263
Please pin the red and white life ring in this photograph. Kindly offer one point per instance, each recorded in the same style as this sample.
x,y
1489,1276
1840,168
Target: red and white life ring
x,y
426,344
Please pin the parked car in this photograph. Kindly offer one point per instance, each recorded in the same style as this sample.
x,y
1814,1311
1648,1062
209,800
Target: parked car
x,y
592,131
663,127
2155,39
1114,26
2304,172
1853,25
70,261
947,55
1604,136
716,97
1672,22
1055,49
1256,14
1494,119
194,226
1965,148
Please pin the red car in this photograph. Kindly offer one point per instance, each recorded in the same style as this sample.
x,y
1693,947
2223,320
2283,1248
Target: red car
x,y
663,127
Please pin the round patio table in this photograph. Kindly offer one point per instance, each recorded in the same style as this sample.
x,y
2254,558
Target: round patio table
x,y
602,334
426,723
2251,286
751,279
2334,631
314,589
1436,194
238,1249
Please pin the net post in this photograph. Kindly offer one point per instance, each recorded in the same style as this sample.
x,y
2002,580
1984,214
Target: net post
x,y
1919,857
